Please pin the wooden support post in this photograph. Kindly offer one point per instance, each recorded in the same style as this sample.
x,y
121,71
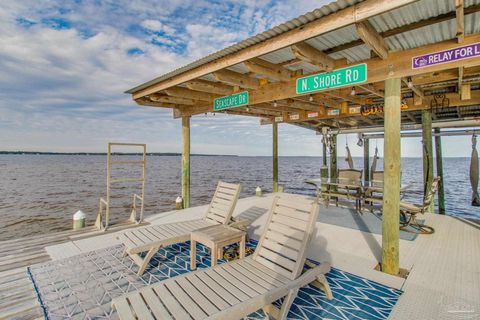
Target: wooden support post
x,y
366,160
186,161
427,154
391,186
439,159
333,160
275,155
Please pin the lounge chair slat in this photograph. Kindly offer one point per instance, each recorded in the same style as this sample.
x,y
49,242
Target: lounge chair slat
x,y
141,235
185,300
281,249
227,190
253,276
295,223
292,213
237,293
211,283
202,300
126,241
155,305
123,308
245,280
237,283
170,302
264,272
217,300
139,307
281,238
276,258
287,231
294,204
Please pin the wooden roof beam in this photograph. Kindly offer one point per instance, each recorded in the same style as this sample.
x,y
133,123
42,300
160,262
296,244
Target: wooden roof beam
x,y
412,26
398,65
372,38
268,69
210,87
236,79
190,94
370,88
460,18
172,100
294,103
307,53
345,17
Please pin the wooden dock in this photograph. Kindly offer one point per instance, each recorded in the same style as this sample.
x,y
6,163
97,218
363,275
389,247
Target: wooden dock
x,y
443,280
18,299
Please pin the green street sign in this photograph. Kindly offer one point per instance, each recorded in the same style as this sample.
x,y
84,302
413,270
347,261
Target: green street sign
x,y
232,101
333,79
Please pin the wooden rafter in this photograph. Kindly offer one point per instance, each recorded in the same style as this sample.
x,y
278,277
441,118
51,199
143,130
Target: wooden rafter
x,y
409,27
236,79
172,100
460,18
210,87
190,94
307,53
371,89
372,38
268,69
358,12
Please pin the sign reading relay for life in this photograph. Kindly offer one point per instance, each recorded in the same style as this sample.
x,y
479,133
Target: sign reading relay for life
x,y
445,56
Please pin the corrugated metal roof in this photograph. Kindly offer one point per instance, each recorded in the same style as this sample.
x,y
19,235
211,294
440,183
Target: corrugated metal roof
x,y
417,11
275,31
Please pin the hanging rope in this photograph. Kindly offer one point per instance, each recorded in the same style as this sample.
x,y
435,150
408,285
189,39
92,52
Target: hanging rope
x,y
374,162
348,159
474,172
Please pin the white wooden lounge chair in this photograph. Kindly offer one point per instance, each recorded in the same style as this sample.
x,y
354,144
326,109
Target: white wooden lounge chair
x,y
238,288
150,239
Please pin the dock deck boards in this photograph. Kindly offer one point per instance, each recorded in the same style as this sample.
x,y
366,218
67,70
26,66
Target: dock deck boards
x,y
444,267
18,299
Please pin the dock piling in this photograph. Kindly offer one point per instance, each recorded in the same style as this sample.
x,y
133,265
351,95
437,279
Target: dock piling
x,y
391,186
275,155
427,154
439,160
186,161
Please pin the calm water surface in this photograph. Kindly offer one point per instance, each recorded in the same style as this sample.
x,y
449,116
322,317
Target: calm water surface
x,y
40,193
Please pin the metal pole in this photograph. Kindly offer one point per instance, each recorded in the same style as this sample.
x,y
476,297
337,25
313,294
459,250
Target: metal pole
x,y
275,155
186,161
366,160
439,159
333,160
391,186
427,154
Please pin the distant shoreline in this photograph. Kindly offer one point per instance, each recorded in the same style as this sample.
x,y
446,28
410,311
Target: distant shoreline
x,y
114,153
171,154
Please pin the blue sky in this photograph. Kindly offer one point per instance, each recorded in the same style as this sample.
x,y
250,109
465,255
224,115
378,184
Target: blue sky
x,y
65,65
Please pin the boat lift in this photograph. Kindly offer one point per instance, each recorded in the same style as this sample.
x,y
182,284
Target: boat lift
x,y
104,204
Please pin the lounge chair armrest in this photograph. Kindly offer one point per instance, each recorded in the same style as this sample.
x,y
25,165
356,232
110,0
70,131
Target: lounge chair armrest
x,y
315,276
409,206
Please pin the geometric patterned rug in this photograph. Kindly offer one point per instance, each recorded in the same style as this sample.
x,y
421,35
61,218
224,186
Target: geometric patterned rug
x,y
82,287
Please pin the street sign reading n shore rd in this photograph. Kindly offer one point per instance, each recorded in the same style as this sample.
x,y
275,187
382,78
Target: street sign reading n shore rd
x,y
333,79
232,101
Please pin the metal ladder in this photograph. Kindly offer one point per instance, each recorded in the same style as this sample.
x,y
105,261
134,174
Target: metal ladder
x,y
104,205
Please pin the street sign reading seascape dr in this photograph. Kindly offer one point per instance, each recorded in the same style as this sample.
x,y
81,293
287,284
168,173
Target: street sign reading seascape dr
x,y
458,53
333,79
232,101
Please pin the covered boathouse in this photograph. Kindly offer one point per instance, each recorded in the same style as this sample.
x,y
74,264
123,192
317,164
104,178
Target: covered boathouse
x,y
350,66
380,67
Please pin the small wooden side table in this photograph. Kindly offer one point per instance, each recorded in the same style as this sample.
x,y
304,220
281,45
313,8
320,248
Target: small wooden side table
x,y
215,238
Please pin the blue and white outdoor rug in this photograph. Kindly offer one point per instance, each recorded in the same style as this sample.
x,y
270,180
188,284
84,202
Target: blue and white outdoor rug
x,y
82,287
